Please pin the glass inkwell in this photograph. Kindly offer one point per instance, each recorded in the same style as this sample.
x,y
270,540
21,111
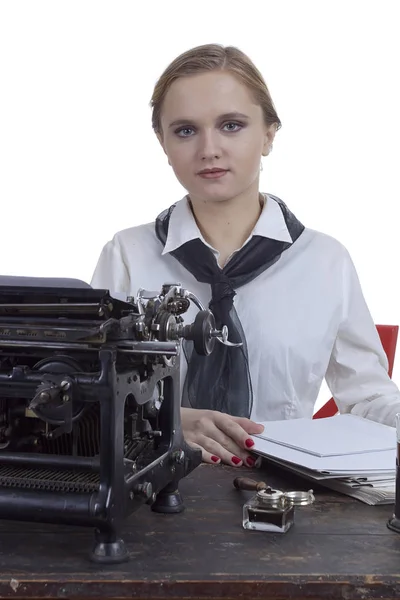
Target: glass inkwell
x,y
270,509
394,521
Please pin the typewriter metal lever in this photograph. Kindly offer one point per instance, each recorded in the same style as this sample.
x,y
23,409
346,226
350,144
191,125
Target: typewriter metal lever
x,y
222,337
46,393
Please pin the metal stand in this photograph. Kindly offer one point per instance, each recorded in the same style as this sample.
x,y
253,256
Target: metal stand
x,y
108,550
169,501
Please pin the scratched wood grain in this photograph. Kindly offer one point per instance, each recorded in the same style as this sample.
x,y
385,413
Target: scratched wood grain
x,y
338,548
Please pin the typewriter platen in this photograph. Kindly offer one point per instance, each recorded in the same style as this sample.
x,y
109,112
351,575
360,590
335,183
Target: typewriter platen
x,y
90,424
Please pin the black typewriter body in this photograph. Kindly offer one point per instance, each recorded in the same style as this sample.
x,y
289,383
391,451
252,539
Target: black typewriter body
x,y
90,425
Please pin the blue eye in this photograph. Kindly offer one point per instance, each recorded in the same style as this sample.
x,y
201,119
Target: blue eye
x,y
187,131
233,126
183,131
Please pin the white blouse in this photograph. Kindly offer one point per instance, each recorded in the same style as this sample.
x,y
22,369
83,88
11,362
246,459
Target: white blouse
x,y
305,317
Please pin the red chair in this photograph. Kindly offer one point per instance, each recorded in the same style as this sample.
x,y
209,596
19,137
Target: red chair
x,y
388,335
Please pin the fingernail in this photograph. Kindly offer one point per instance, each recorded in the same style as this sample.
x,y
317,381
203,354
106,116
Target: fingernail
x,y
251,461
249,443
215,459
236,460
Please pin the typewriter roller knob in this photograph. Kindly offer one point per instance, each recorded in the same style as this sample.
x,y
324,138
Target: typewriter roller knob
x,y
204,334
201,332
203,327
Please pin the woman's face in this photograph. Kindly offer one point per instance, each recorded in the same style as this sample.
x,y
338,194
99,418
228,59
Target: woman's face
x,y
214,135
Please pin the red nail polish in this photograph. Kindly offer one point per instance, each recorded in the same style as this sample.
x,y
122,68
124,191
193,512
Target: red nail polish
x,y
236,460
251,461
249,443
215,459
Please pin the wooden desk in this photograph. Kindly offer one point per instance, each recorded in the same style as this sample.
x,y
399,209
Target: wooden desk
x,y
338,548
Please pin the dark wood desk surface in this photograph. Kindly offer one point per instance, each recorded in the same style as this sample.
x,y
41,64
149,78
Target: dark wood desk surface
x,y
338,548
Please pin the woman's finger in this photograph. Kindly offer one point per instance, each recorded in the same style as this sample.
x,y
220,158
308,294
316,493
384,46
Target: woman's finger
x,y
207,457
234,431
227,457
251,427
232,453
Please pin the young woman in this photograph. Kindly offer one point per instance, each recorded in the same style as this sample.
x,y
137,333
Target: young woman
x,y
289,293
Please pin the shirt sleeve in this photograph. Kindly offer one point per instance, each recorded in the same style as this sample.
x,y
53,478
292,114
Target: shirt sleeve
x,y
111,271
357,373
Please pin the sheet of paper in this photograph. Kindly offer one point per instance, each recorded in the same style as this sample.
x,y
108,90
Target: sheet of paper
x,y
371,491
316,475
368,462
334,436
375,496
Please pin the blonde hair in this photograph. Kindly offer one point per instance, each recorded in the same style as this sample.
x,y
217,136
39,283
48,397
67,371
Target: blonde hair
x,y
212,57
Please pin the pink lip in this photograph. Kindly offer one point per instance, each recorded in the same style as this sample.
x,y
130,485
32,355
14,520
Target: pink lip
x,y
212,173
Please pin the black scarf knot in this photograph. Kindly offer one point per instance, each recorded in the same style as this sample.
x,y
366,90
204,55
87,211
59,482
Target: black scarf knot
x,y
221,291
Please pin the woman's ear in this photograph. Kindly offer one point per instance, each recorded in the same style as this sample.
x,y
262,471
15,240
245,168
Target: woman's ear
x,y
269,139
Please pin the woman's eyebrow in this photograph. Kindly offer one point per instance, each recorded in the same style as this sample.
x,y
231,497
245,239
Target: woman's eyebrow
x,y
223,117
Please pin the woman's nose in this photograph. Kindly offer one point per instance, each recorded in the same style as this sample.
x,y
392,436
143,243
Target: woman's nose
x,y
209,146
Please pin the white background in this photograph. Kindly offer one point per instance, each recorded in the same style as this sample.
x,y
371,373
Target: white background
x,y
79,160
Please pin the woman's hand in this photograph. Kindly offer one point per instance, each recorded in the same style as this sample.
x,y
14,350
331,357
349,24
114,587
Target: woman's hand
x,y
221,437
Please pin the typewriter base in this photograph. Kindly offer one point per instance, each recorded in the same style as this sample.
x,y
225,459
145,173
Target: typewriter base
x,y
108,552
168,501
394,524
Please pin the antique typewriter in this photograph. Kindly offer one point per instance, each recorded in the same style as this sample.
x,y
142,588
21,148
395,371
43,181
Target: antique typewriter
x,y
90,424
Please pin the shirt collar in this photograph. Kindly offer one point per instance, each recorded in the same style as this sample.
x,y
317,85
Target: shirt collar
x,y
183,228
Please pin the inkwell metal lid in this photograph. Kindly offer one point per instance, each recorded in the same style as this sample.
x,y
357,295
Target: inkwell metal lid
x,y
300,498
277,498
274,498
271,497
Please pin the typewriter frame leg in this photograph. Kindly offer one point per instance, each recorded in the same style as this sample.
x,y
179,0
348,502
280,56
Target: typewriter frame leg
x,y
108,548
169,500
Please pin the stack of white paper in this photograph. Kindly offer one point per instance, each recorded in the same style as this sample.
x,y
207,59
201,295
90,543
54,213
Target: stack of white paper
x,y
347,453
